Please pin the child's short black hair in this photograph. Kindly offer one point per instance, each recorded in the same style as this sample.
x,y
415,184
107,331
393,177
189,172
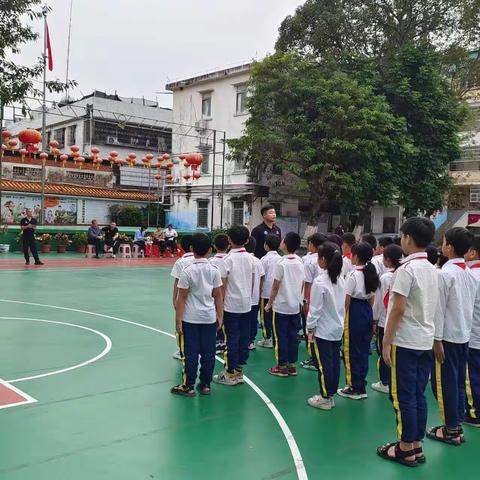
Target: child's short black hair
x,y
460,239
432,253
292,241
421,229
336,239
186,242
221,242
349,238
272,242
369,238
201,244
238,235
394,253
385,241
476,245
317,239
251,244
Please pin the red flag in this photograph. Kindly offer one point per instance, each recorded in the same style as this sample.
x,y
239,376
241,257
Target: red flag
x,y
49,52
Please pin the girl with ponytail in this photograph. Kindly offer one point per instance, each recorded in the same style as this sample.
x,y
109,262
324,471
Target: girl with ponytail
x,y
360,287
325,323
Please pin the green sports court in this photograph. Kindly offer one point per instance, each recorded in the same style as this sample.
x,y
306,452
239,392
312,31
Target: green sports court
x,y
86,369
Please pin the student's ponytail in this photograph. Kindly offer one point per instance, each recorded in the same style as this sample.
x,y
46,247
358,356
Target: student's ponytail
x,y
394,254
331,253
364,252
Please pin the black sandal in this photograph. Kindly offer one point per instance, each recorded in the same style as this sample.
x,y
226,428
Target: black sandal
x,y
204,389
450,438
421,458
183,390
400,455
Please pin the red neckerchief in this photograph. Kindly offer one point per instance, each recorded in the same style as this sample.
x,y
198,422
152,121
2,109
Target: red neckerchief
x,y
462,265
476,265
348,255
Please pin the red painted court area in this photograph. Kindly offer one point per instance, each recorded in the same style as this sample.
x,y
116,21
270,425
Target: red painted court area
x,y
11,396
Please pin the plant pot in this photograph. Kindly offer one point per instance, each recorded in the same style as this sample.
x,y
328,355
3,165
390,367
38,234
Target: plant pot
x,y
45,248
61,248
81,248
4,247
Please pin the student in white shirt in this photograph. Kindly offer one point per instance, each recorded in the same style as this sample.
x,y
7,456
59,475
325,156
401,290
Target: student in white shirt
x,y
221,244
377,260
392,256
458,290
472,415
259,276
408,341
348,241
312,270
177,270
325,324
360,289
269,261
285,300
238,287
199,312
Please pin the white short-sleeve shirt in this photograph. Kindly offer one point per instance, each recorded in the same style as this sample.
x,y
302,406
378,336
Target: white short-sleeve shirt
x,y
377,260
327,307
312,270
475,335
382,296
290,271
219,261
458,290
417,280
258,273
269,261
347,266
200,278
180,264
355,285
238,292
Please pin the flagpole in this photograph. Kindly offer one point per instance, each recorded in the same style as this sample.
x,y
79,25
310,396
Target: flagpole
x,y
44,114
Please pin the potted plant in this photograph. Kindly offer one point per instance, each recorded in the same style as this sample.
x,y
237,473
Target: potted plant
x,y
79,241
44,239
4,247
63,241
125,239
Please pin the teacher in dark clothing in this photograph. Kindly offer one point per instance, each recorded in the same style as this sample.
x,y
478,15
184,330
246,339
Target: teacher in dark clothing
x,y
267,227
95,237
111,237
28,226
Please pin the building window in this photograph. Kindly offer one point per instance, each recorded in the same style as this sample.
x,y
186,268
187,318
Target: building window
x,y
87,137
206,105
59,136
72,135
26,173
237,213
83,178
475,194
202,214
241,99
205,168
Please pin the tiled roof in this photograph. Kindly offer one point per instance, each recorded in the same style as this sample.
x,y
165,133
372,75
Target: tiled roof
x,y
76,191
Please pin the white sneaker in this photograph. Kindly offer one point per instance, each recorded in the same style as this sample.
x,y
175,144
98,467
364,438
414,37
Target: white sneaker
x,y
251,346
226,378
177,355
114,256
380,387
265,343
317,401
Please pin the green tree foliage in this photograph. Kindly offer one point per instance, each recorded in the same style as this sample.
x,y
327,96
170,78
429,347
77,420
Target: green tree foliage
x,y
127,215
332,132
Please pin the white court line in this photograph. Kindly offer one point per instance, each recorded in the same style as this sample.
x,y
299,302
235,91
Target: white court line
x,y
26,396
108,346
292,444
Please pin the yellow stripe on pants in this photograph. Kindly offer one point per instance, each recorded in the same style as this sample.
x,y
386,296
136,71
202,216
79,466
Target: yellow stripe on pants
x,y
181,346
346,349
262,317
225,352
394,393
471,404
320,368
438,387
275,336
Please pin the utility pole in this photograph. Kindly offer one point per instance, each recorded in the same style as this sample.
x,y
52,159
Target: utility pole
x,y
44,115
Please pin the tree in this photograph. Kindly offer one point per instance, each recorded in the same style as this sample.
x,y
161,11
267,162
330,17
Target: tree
x,y
417,91
18,81
129,215
334,134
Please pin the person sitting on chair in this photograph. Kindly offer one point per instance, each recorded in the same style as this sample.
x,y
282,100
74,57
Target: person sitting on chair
x,y
140,237
95,237
159,239
111,238
170,237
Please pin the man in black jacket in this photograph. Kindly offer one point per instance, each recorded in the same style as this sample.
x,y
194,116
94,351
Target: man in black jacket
x,y
28,226
267,227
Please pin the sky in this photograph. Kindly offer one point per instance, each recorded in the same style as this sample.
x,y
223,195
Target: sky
x,y
135,47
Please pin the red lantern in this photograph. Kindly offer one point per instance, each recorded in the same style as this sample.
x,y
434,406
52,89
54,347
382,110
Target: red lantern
x,y
170,165
165,157
55,153
194,160
157,177
23,153
182,157
97,161
186,164
12,144
33,149
187,177
146,162
75,148
169,178
119,162
149,157
53,144
80,161
114,154
30,136
196,175
6,134
95,150
63,159
43,157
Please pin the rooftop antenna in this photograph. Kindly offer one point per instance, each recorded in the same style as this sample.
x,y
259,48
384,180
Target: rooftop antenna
x,y
68,49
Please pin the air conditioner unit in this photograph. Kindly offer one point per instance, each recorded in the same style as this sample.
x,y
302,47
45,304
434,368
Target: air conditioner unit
x,y
112,141
200,125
